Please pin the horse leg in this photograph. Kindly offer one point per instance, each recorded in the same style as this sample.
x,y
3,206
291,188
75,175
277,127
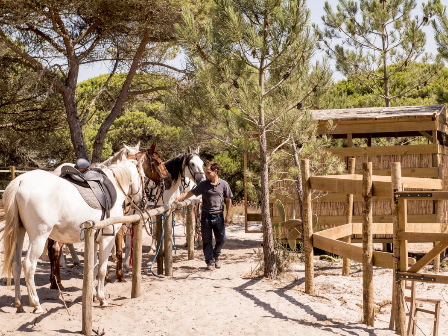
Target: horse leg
x,y
127,255
62,259
17,268
105,248
119,253
54,251
35,249
75,258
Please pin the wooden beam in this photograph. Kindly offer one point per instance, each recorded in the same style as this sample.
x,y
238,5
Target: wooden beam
x,y
307,228
428,257
424,277
385,150
398,314
375,127
438,205
426,135
367,245
377,228
382,185
423,236
349,215
336,232
330,221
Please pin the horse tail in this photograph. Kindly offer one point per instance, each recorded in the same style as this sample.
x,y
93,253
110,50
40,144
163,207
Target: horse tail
x,y
12,222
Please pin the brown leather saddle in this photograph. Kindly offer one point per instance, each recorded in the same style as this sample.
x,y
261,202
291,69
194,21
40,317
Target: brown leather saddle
x,y
95,182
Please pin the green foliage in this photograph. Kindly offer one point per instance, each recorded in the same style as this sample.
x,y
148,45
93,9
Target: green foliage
x,y
350,93
366,40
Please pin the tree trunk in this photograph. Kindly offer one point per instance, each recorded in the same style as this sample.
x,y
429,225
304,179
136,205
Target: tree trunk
x,y
119,103
270,266
385,73
69,99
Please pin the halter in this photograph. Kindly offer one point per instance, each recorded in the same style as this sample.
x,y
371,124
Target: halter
x,y
154,164
193,173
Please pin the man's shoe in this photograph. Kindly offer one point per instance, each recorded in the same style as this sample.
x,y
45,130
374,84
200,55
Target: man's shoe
x,y
218,263
210,267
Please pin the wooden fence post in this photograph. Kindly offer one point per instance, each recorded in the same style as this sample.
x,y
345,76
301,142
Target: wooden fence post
x,y
87,279
439,207
307,228
190,232
398,314
367,245
137,259
159,239
349,218
13,172
168,242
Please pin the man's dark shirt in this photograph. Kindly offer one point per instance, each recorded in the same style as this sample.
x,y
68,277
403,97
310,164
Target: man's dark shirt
x,y
213,196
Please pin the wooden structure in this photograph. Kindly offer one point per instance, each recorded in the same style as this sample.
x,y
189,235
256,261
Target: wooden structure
x,y
370,187
138,220
427,123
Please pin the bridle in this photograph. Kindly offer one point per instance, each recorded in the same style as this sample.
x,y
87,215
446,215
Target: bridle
x,y
193,173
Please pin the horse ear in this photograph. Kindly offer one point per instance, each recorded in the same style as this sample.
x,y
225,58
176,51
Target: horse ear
x,y
128,149
137,146
152,149
197,150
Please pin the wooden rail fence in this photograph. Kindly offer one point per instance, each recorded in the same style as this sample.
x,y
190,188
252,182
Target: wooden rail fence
x,y
90,226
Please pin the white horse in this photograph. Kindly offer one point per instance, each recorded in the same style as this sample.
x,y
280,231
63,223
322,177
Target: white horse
x,y
44,205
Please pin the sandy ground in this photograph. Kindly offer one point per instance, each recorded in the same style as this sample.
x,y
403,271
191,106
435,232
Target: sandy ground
x,y
228,301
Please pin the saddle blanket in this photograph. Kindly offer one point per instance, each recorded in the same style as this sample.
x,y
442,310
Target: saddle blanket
x,y
88,196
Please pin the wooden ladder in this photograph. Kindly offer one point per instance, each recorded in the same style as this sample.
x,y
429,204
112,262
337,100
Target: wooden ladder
x,y
414,309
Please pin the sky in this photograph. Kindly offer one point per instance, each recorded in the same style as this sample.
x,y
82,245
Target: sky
x,y
316,8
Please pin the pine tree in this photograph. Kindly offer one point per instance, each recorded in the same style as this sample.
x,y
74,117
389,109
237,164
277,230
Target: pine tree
x,y
372,35
252,72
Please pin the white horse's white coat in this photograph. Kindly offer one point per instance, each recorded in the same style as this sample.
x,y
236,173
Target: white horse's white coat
x,y
44,205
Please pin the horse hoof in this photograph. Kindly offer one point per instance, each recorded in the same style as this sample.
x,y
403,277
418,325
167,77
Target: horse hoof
x,y
53,286
104,303
121,280
38,310
20,309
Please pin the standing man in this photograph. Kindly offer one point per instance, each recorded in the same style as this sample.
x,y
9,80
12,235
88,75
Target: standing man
x,y
215,192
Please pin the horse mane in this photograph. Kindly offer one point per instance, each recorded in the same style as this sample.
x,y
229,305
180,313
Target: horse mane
x,y
125,151
121,173
176,165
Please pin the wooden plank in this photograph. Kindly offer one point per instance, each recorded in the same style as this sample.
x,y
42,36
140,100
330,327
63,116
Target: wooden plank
x,y
398,314
382,185
380,259
425,277
190,232
376,127
348,210
88,282
367,245
336,232
407,172
137,259
329,221
421,195
168,243
384,150
253,217
337,247
423,237
428,257
377,228
402,226
383,259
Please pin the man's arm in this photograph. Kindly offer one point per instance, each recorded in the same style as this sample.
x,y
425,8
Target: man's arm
x,y
228,208
184,196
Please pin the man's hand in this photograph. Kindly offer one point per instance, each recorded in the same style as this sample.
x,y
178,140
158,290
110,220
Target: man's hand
x,y
227,220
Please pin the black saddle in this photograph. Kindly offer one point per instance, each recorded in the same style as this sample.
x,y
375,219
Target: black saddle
x,y
97,181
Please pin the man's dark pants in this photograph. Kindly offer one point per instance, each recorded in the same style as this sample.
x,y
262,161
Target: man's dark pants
x,y
212,223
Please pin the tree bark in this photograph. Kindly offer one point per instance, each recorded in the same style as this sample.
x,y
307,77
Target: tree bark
x,y
119,103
